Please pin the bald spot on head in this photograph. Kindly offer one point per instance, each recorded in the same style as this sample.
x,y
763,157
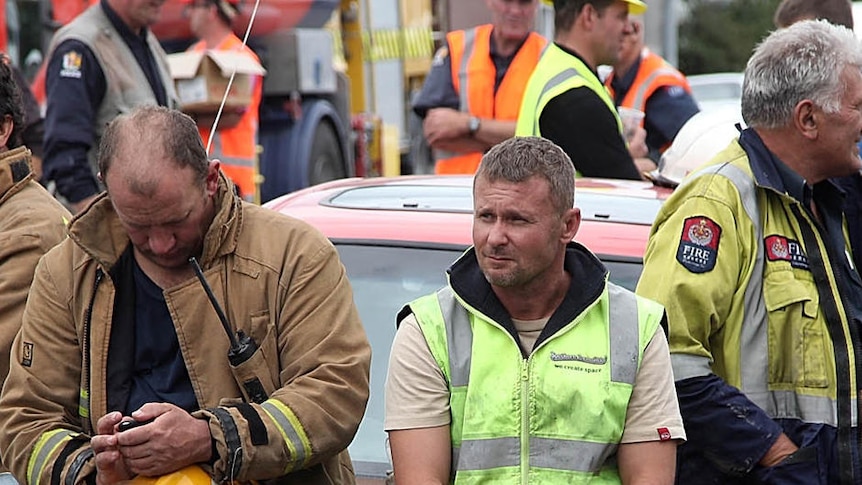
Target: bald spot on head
x,y
149,144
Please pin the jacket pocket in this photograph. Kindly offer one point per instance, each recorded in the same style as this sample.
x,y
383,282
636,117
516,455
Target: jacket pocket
x,y
796,339
255,374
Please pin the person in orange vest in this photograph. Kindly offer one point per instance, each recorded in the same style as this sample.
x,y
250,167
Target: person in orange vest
x,y
471,97
234,142
643,80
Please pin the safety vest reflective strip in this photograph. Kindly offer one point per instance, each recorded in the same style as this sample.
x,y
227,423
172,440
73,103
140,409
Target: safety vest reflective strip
x,y
652,68
291,431
754,350
45,447
238,158
556,73
470,53
560,454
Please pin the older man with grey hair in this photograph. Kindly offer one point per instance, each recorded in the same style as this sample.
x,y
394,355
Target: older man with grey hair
x,y
750,258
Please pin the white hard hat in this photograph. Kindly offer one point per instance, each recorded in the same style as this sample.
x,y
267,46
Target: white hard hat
x,y
698,141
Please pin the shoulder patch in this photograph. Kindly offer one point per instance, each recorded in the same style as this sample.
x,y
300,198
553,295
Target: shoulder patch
x,y
780,248
698,245
440,56
71,67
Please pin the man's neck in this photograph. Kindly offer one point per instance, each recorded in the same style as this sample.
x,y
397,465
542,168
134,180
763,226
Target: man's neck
x,y
538,300
791,150
216,36
505,47
572,41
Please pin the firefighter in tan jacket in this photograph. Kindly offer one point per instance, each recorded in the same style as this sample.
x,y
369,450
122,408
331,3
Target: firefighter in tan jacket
x,y
31,220
118,327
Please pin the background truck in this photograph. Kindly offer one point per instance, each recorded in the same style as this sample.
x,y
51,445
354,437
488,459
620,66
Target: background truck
x,y
339,76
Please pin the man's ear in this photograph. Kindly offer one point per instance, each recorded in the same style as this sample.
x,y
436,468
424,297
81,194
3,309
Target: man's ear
x,y
806,118
212,177
6,127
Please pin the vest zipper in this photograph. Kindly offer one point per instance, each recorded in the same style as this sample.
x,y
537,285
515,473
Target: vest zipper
x,y
525,421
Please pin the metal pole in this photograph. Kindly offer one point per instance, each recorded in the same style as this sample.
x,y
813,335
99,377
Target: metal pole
x,y
670,46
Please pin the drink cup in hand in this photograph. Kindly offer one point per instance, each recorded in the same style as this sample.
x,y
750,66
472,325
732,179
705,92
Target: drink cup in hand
x,y
631,119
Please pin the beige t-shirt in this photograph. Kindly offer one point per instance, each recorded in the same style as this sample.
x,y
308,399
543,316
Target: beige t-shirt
x,y
417,395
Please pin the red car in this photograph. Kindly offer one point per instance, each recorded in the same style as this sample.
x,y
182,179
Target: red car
x,y
396,237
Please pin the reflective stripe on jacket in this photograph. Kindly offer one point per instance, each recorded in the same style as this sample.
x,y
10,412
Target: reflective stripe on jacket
x,y
496,394
556,73
276,289
653,73
756,318
236,147
473,76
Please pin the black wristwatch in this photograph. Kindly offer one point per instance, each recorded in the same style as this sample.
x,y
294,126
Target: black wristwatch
x,y
473,124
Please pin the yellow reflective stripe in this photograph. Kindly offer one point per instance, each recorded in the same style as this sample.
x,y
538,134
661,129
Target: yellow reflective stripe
x,y
291,432
84,404
44,448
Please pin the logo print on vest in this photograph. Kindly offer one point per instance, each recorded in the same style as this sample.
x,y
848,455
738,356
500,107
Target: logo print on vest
x,y
780,248
698,245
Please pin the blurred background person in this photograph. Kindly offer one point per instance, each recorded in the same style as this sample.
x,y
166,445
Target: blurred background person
x,y
471,97
644,81
103,63
234,142
566,102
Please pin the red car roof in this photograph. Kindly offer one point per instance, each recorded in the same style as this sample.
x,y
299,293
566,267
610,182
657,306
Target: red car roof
x,y
616,214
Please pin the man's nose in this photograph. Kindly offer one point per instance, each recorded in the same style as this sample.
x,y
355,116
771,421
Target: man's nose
x,y
161,242
497,234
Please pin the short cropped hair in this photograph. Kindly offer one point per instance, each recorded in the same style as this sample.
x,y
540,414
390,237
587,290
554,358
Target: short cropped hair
x,y
520,158
155,128
803,61
566,11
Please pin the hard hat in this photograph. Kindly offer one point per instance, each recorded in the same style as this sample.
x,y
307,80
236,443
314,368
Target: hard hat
x,y
190,475
702,137
636,7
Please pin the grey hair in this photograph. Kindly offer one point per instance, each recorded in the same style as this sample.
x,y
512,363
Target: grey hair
x,y
803,61
520,158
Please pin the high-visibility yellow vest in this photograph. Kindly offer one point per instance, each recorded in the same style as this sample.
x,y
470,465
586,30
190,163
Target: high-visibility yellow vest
x,y
556,73
555,417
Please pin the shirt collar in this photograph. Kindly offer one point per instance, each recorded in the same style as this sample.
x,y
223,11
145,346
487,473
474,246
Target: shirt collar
x,y
121,26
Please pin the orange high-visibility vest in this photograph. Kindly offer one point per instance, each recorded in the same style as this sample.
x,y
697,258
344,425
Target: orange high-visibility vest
x,y
236,147
653,73
473,75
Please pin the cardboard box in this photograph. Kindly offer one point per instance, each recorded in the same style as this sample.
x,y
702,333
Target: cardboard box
x,y
201,79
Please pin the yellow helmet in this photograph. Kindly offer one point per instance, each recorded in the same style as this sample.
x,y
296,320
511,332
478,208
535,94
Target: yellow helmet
x,y
190,475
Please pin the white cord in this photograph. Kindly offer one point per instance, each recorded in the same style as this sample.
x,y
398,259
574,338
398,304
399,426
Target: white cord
x,y
232,76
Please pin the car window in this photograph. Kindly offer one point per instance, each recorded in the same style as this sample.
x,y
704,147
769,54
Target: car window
x,y
385,278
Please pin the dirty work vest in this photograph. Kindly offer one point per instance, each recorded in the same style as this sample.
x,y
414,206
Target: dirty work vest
x,y
127,86
653,73
555,417
473,75
236,147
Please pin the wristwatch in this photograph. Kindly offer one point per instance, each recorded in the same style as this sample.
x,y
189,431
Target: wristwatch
x,y
473,124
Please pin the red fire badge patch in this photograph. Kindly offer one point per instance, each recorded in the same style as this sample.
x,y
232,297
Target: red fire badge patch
x,y
698,245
